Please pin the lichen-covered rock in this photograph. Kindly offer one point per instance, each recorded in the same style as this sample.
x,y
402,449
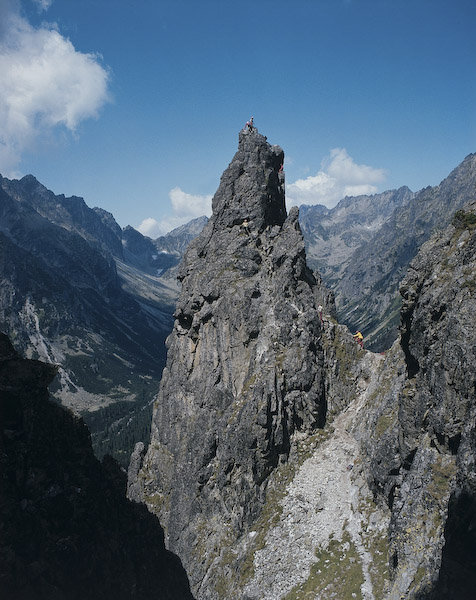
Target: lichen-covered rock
x,y
244,369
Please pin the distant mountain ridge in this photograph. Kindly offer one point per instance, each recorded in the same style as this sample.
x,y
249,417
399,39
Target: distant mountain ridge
x,y
333,234
367,292
73,294
165,252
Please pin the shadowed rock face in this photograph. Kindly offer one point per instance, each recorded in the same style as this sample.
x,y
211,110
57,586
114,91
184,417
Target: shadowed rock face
x,y
244,369
67,530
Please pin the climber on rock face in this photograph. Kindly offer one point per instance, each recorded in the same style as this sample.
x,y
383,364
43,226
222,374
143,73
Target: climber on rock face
x,y
245,226
359,338
319,310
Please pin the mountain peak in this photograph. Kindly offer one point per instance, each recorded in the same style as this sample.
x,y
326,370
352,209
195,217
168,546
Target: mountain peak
x,y
236,388
252,187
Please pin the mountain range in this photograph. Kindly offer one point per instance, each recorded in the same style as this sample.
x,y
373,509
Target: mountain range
x,y
78,291
285,460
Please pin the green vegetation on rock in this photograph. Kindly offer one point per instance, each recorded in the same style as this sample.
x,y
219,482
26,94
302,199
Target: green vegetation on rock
x,y
336,574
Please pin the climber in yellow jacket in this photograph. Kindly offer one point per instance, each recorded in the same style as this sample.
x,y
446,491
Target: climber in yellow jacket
x,y
359,338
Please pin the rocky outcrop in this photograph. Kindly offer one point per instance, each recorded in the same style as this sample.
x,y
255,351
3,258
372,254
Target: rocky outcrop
x,y
381,503
244,371
423,448
67,530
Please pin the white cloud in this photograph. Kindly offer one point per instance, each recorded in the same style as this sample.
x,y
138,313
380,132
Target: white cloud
x,y
189,205
149,227
45,84
43,4
185,208
339,176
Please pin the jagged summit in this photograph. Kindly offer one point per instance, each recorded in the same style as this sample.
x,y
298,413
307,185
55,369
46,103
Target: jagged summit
x,y
244,367
252,187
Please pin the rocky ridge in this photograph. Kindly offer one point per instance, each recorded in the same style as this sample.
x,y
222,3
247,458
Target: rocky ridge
x,y
69,297
367,292
383,507
423,459
380,505
333,235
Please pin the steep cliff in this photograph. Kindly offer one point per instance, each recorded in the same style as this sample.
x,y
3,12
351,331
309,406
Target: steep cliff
x,y
67,530
381,504
244,368
423,451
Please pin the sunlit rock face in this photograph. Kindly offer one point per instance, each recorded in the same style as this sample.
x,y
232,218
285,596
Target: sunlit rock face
x,y
259,501
245,364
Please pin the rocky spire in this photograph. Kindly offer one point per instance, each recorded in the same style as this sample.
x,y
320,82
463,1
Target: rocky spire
x,y
244,368
252,186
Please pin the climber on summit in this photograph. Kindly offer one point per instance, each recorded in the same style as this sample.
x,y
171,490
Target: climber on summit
x,y
249,124
359,338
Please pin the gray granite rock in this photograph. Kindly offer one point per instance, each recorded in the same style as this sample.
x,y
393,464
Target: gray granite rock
x,y
244,369
256,498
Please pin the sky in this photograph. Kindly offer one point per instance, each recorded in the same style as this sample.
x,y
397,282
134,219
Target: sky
x,y
136,105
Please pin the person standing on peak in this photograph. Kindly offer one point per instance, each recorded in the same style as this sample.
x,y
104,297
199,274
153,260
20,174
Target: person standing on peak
x,y
249,124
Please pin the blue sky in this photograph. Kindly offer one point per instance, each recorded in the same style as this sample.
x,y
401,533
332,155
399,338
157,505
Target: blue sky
x,y
136,106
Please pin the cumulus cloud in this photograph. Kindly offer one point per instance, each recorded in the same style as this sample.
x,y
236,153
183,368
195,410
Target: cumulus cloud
x,y
45,84
185,208
189,205
149,227
338,177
